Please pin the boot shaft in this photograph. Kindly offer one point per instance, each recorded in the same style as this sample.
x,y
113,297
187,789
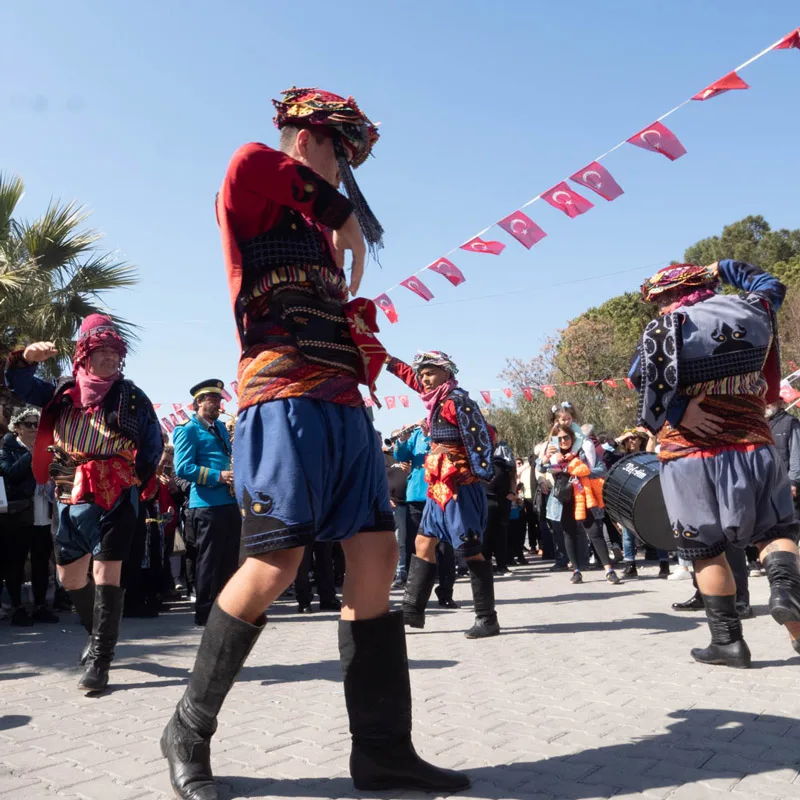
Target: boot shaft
x,y
482,583
723,619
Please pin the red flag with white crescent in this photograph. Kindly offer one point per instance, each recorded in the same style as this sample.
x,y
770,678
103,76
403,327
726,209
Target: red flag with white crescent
x,y
415,285
597,178
611,382
487,397
522,228
629,383
658,138
235,387
177,406
182,415
549,391
508,392
226,394
725,84
387,306
527,392
167,426
787,392
156,406
189,407
403,400
450,271
478,245
790,40
565,199
174,420
369,402
390,403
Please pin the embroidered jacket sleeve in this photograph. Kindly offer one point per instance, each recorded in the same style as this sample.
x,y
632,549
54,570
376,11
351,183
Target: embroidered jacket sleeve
x,y
752,280
184,440
21,379
260,180
401,370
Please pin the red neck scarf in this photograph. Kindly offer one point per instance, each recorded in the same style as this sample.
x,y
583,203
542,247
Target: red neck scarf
x,y
90,390
432,398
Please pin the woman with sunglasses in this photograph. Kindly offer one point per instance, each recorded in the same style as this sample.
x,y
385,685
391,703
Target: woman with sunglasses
x,y
27,524
574,499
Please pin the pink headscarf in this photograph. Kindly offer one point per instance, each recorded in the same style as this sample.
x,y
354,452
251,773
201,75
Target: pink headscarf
x,y
97,330
436,396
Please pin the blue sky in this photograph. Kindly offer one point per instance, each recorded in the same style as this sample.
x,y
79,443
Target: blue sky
x,y
135,110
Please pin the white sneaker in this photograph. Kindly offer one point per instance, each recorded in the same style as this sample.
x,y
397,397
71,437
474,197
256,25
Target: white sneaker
x,y
680,574
754,569
192,598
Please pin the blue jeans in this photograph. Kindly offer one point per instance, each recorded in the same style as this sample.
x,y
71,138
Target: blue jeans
x,y
401,534
629,547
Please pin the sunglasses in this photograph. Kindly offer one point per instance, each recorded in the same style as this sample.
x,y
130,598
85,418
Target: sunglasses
x,y
564,438
30,425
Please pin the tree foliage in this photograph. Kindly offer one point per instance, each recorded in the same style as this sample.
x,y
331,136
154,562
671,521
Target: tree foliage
x,y
600,343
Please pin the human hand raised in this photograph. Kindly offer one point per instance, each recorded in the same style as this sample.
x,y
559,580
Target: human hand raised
x,y
39,351
350,237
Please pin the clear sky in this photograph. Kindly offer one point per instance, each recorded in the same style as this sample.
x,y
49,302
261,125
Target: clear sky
x,y
135,108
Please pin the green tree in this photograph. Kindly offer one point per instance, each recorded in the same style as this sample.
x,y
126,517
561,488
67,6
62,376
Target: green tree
x,y
52,275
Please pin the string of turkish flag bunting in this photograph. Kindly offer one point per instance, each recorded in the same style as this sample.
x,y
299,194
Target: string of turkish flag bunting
x,y
657,138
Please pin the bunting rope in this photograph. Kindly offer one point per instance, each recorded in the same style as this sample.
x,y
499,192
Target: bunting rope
x,y
655,137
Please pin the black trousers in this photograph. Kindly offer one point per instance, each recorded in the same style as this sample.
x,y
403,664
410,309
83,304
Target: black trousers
x,y
516,537
495,537
319,557
574,538
594,531
530,518
17,541
216,533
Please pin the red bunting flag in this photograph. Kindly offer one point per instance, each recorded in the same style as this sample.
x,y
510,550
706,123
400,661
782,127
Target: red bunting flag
x,y
565,199
177,406
226,394
167,423
165,428
790,40
522,228
787,392
156,406
730,81
182,415
418,287
174,420
235,387
450,271
597,178
403,400
549,391
527,392
389,402
611,382
658,138
478,245
487,397
629,383
387,306
369,402
189,407
508,392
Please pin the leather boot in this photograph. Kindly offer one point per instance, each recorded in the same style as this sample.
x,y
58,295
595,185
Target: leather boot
x,y
728,648
446,598
482,581
694,603
377,691
105,632
186,741
83,600
419,585
783,574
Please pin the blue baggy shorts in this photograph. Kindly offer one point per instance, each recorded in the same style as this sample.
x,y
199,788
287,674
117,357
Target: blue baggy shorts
x,y
734,496
308,470
461,523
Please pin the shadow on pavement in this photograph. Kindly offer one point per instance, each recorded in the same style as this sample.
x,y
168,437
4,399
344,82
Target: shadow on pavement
x,y
567,598
699,746
9,721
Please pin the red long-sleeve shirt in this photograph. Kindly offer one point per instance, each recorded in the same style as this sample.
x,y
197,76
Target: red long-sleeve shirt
x,y
403,371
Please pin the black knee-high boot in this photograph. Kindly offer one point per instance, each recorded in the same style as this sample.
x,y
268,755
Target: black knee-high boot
x,y
419,585
728,648
482,581
378,695
186,741
83,600
783,574
105,632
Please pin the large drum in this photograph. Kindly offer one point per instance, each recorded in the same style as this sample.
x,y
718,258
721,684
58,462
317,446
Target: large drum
x,y
632,496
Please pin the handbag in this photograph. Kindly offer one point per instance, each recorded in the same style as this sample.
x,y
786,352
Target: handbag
x,y
562,488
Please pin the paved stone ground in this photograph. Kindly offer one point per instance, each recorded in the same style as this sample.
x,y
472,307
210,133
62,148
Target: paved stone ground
x,y
589,693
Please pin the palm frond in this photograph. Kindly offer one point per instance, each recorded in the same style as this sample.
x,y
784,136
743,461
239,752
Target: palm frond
x,y
54,239
11,190
101,273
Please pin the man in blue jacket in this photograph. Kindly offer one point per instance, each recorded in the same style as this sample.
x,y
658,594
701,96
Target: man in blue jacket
x,y
213,524
411,448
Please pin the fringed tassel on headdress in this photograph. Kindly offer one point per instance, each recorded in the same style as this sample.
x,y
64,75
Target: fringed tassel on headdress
x,y
370,227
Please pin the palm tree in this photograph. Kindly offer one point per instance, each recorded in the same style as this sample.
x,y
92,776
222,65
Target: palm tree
x,y
52,275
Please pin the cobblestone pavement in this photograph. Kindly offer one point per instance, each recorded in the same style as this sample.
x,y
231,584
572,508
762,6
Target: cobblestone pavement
x,y
589,693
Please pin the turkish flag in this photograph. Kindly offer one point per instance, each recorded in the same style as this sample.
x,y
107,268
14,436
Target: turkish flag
x,y
522,228
565,199
787,392
730,81
418,287
177,406
478,245
450,271
487,397
790,40
508,392
235,387
403,400
658,138
156,406
387,306
226,394
189,407
629,383
182,415
167,423
527,392
368,402
174,420
611,382
598,179
390,403
549,391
